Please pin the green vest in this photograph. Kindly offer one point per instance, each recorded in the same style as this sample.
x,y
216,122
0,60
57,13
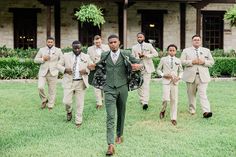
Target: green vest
x,y
116,74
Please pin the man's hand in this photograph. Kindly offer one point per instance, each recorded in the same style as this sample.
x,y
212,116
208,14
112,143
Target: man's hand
x,y
175,79
83,72
46,57
201,61
136,67
195,61
91,66
167,76
141,55
68,71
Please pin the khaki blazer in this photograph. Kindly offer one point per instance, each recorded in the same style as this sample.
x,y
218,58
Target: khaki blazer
x,y
190,70
149,51
51,64
67,61
93,54
164,68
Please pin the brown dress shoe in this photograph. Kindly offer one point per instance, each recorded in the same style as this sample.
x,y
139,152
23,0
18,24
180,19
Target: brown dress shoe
x,y
98,107
207,114
111,150
119,140
162,114
44,104
69,116
50,108
174,122
78,125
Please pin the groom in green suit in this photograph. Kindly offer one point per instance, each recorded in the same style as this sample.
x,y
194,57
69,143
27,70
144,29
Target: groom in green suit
x,y
116,88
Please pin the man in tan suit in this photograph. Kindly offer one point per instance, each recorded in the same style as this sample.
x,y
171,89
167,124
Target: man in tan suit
x,y
95,54
197,60
171,70
48,58
74,67
145,52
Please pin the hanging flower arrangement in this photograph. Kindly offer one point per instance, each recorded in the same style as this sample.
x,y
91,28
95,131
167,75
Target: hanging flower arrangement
x,y
230,16
90,13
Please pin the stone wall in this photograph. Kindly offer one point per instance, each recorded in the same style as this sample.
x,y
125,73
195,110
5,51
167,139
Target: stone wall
x,y
69,25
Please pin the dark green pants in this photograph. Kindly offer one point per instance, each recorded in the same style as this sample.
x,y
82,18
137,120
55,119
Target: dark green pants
x,y
115,100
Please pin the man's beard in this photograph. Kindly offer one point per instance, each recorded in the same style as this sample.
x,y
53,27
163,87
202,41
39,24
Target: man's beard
x,y
140,42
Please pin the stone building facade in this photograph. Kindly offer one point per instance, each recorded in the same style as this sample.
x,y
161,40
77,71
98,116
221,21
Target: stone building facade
x,y
164,18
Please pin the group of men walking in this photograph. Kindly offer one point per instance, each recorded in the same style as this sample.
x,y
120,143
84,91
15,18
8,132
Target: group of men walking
x,y
76,67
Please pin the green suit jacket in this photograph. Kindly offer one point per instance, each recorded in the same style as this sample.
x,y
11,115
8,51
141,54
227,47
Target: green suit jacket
x,y
117,74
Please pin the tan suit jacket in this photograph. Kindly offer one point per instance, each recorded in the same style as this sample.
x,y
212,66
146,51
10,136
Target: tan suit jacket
x,y
190,70
94,55
67,61
149,51
164,68
51,64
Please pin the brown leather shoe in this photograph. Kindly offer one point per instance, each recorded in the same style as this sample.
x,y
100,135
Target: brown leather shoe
x,y
44,104
207,114
78,125
119,140
111,150
162,114
50,108
98,107
174,122
69,116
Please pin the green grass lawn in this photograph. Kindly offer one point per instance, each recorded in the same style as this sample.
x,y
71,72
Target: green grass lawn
x,y
26,130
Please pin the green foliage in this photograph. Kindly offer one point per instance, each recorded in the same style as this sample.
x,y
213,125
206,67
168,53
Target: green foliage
x,y
15,68
230,16
90,13
224,66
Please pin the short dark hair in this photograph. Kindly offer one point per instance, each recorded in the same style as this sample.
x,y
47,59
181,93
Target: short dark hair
x,y
76,42
96,37
50,38
141,33
113,36
196,35
171,45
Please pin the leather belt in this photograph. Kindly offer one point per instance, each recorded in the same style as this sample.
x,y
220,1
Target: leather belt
x,y
77,79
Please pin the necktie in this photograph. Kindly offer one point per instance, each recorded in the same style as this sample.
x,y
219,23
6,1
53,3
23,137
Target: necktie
x,y
171,62
74,65
197,53
114,57
141,46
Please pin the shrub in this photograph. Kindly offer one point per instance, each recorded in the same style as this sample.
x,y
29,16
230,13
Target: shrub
x,y
15,68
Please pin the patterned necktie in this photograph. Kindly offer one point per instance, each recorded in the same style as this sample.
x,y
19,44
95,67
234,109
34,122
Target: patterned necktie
x,y
114,57
197,53
74,65
171,63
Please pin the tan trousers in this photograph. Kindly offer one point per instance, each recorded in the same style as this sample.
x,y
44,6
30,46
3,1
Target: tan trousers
x,y
143,91
52,86
192,89
78,90
98,94
170,93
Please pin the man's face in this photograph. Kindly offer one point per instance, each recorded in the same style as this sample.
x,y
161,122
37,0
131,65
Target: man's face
x,y
50,43
140,38
172,51
196,41
98,42
76,49
114,44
